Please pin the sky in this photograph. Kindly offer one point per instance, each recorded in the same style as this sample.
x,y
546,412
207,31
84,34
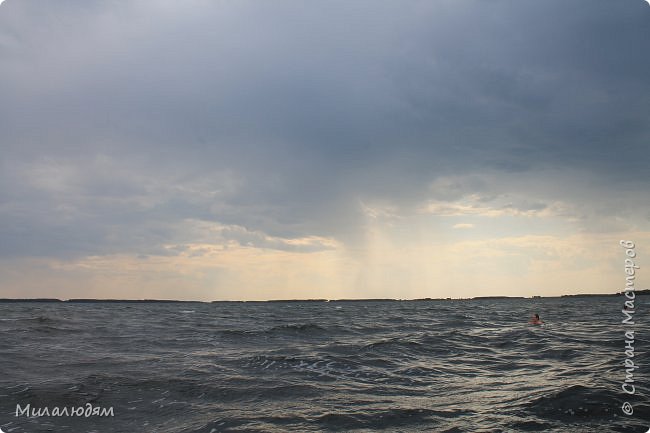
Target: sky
x,y
252,150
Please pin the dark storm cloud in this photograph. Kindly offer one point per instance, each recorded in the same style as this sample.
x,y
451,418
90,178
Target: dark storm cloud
x,y
281,117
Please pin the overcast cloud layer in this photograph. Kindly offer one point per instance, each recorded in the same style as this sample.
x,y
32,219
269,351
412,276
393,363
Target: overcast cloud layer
x,y
165,129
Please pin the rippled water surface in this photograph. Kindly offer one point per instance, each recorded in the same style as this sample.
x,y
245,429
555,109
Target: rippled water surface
x,y
441,366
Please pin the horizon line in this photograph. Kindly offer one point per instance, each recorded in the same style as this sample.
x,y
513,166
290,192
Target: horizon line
x,y
105,300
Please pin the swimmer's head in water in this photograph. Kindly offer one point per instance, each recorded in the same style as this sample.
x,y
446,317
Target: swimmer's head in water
x,y
536,316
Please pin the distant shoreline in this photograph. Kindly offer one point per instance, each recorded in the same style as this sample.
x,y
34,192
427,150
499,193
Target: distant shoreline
x,y
169,301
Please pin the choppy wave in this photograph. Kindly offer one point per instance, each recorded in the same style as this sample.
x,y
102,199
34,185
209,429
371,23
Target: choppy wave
x,y
456,366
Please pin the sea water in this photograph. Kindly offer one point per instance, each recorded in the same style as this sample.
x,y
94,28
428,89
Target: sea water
x,y
431,365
